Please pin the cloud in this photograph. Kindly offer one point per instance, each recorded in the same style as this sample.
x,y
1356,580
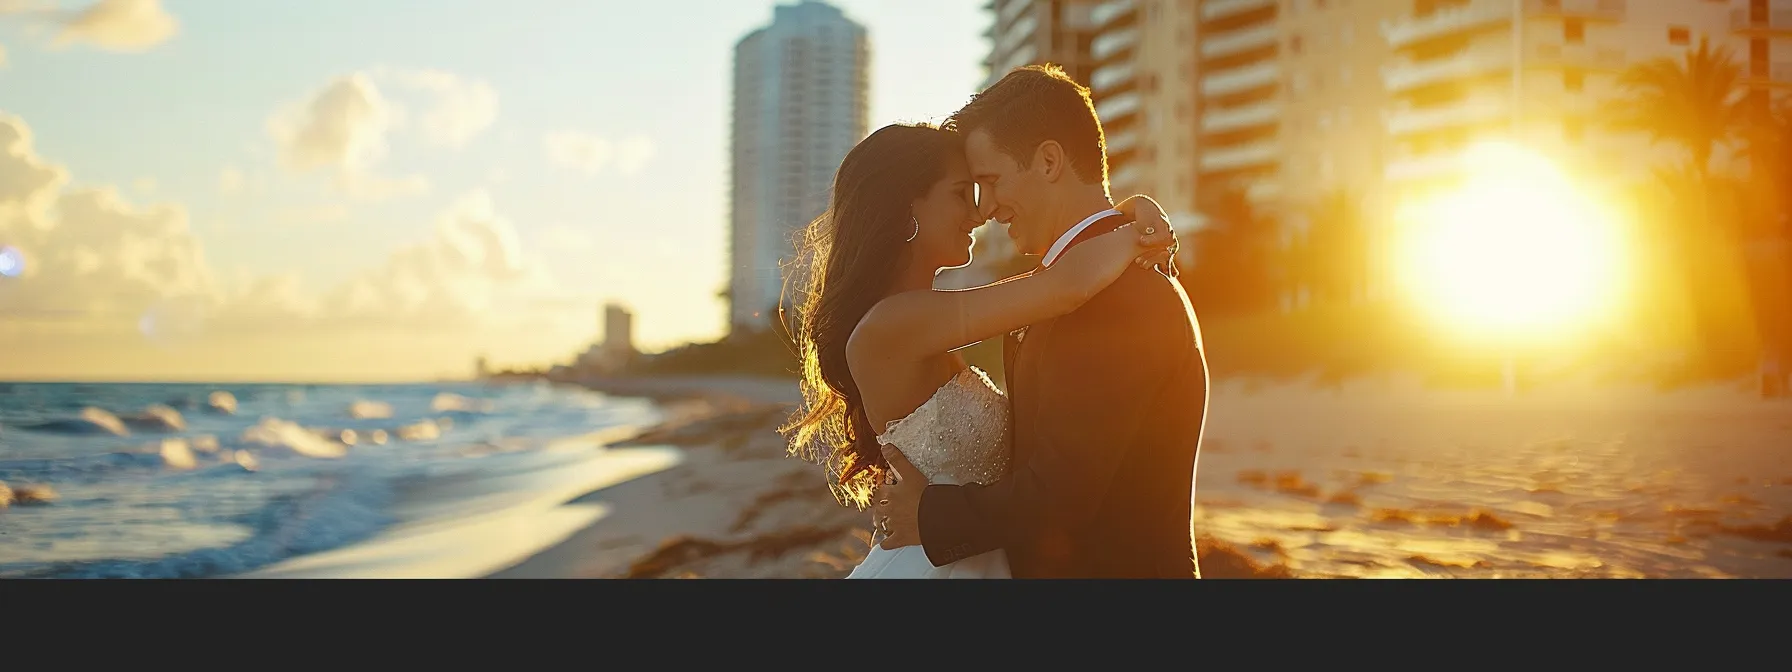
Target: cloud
x,y
461,108
453,279
98,263
342,129
345,128
89,253
28,184
119,25
592,154
343,125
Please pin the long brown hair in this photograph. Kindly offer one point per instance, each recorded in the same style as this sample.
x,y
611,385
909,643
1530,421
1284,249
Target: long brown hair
x,y
848,258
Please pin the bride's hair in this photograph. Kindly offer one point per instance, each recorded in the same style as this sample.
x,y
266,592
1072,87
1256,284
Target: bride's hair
x,y
847,260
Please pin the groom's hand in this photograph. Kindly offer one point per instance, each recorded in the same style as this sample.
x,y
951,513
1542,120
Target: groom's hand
x,y
896,506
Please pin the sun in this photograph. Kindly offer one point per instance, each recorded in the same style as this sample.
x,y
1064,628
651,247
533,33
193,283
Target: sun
x,y
1518,251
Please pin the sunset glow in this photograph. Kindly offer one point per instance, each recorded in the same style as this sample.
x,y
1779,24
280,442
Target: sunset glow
x,y
1519,250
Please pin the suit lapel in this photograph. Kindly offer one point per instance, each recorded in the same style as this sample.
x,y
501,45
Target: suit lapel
x,y
1016,340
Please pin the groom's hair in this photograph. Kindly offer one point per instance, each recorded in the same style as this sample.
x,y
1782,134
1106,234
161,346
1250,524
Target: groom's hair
x,y
1033,104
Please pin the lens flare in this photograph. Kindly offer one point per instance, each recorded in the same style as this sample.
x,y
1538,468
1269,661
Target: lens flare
x,y
12,262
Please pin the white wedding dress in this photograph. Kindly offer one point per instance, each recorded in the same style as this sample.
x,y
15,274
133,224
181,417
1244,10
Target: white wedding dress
x,y
958,436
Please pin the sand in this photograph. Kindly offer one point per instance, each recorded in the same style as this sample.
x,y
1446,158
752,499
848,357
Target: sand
x,y
734,507
1365,480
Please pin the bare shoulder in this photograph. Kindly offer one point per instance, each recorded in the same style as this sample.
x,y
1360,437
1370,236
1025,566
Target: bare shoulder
x,y
871,336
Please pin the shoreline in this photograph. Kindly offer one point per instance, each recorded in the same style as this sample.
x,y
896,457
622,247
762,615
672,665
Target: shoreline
x,y
734,507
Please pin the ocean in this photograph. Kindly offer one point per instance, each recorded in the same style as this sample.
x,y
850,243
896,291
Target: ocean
x,y
196,480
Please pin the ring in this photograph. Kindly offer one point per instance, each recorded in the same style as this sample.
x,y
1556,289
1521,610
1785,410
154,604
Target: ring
x,y
1150,230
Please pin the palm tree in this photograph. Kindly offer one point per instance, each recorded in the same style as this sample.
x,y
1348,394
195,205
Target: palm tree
x,y
1235,269
1696,102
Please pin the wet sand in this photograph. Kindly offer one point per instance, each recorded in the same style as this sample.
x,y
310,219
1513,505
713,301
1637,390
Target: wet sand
x,y
1368,479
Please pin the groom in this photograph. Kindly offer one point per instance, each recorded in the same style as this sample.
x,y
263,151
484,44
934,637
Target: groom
x,y
1107,401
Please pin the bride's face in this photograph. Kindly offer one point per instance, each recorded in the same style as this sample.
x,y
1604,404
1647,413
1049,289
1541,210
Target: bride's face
x,y
945,217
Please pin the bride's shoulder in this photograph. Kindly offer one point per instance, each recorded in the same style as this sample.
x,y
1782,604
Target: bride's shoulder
x,y
885,319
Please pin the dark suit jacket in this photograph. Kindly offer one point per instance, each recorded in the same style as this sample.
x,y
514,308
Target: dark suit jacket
x,y
1107,407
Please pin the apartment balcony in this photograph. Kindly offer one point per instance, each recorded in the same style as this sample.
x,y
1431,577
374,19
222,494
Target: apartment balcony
x,y
1425,166
1021,32
1113,78
1118,106
1583,56
1255,154
1113,43
1011,10
1239,41
1263,191
1589,10
1222,120
1113,12
1476,15
1123,141
1473,111
1126,179
1407,75
1235,80
1214,10
1776,21
1778,76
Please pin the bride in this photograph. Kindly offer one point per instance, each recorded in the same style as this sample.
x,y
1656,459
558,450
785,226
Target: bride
x,y
877,341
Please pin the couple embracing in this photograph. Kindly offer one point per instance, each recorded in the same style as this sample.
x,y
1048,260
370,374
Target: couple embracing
x,y
1085,466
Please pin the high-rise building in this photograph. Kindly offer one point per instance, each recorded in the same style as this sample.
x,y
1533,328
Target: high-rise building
x,y
1144,91
617,349
1536,71
1762,30
800,104
619,329
1240,86
1035,32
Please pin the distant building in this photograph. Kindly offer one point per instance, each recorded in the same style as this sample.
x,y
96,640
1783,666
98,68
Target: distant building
x,y
800,104
617,349
482,368
1035,32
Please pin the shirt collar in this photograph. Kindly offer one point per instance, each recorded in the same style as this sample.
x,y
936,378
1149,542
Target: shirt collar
x,y
1063,242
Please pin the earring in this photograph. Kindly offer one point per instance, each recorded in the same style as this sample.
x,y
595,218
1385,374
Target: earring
x,y
911,237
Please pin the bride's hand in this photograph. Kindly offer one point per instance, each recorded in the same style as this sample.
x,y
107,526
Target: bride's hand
x,y
1092,266
1155,225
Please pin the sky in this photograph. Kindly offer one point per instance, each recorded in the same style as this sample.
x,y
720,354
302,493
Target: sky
x,y
348,190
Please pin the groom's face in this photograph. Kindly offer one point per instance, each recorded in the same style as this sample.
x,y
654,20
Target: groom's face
x,y
1008,193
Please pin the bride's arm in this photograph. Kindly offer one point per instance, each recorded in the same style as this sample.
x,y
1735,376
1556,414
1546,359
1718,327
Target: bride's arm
x,y
1148,214
915,325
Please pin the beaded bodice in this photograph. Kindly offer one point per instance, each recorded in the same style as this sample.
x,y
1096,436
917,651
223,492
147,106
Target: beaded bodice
x,y
959,435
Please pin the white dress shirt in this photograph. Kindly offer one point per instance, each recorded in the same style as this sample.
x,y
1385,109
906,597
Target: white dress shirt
x,y
1063,242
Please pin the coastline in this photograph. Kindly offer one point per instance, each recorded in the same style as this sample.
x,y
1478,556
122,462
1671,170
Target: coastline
x,y
735,506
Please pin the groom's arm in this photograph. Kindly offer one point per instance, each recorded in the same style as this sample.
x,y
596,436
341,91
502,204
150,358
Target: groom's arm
x,y
1099,366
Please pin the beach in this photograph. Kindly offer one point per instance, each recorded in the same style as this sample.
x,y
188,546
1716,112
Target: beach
x,y
734,507
1377,478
